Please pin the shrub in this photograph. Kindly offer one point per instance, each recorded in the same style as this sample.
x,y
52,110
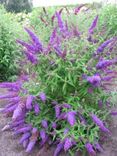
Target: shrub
x,y
64,94
9,50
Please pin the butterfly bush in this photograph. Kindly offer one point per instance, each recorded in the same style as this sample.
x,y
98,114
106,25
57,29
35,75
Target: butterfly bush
x,y
62,97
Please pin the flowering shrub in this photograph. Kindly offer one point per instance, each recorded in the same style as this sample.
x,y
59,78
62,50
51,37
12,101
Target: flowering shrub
x,y
63,95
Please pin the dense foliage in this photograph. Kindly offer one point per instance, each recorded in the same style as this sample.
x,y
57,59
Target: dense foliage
x,y
9,50
63,95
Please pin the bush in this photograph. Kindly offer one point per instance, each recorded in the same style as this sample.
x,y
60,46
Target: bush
x,y
9,50
63,97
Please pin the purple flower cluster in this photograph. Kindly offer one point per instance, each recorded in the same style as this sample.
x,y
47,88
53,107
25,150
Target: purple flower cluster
x,y
94,80
99,123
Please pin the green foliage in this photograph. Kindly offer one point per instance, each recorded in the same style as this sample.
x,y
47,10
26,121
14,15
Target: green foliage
x,y
9,51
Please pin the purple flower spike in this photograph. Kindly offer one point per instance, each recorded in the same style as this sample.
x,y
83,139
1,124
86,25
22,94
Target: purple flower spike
x,y
30,146
103,46
59,148
71,118
90,149
23,130
66,131
66,105
53,36
76,11
99,123
7,96
57,111
113,113
28,46
31,57
35,39
98,147
10,109
60,22
95,80
44,123
54,125
42,97
43,135
104,64
68,144
17,113
93,25
29,102
34,130
36,108
24,137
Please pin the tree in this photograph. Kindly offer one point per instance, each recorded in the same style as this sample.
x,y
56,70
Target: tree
x,y
18,5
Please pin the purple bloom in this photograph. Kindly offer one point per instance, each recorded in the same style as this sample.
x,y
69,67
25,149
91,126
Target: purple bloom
x,y
44,123
99,123
34,130
36,108
35,39
104,64
24,137
82,119
14,99
17,123
66,105
29,102
31,57
43,135
113,113
59,148
28,46
90,90
100,103
90,149
17,112
10,95
54,125
76,31
98,147
62,116
76,11
60,22
103,46
10,109
42,97
30,146
71,118
57,110
53,35
66,131
95,80
23,130
93,25
68,144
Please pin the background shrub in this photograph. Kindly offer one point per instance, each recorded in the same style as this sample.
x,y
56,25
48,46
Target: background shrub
x,y
19,5
9,50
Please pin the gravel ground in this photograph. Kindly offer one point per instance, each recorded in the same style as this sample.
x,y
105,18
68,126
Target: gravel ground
x,y
9,145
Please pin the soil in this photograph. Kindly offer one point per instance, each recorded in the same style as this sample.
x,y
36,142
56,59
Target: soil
x,y
9,145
